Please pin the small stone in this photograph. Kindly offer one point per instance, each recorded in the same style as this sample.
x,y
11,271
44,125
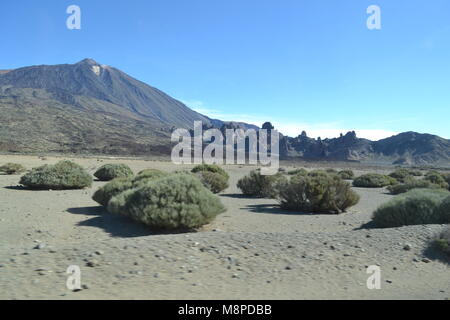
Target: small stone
x,y
389,281
40,246
85,287
407,247
235,276
92,263
99,252
426,260
288,268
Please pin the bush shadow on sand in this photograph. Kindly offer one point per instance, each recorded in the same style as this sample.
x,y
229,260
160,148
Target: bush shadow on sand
x,y
433,253
117,226
274,209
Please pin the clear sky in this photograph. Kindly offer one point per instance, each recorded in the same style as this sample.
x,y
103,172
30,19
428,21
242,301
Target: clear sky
x,y
303,64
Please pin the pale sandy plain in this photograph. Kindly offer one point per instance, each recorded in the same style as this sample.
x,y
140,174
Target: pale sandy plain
x,y
253,251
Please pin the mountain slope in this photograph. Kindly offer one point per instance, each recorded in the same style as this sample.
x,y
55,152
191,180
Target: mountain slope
x,y
89,79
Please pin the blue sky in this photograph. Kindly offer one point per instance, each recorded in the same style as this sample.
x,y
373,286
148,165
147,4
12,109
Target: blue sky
x,y
303,64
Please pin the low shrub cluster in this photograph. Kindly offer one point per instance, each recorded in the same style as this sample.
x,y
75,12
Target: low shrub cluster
x,y
346,174
178,201
212,176
418,206
215,182
410,184
374,180
437,178
104,194
210,168
300,171
12,168
317,193
161,200
260,186
61,176
401,175
109,172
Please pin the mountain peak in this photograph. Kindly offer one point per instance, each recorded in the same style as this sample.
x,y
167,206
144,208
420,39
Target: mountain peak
x,y
88,61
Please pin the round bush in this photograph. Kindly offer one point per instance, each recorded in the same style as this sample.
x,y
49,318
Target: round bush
x,y
104,194
178,201
215,182
415,207
259,186
210,168
62,176
373,180
322,194
320,173
437,178
411,184
346,174
109,172
150,174
443,211
401,175
12,168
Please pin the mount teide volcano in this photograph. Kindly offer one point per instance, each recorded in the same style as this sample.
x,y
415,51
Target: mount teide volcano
x,y
89,108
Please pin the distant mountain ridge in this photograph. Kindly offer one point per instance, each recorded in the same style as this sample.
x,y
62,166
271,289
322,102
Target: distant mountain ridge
x,y
91,108
409,148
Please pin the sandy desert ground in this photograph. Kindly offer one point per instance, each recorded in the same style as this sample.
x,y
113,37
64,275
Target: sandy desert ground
x,y
253,251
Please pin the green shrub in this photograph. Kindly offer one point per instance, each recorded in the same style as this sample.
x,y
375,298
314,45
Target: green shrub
x,y
323,194
410,184
61,176
418,206
374,180
211,168
331,171
104,194
346,174
437,178
215,182
259,186
150,174
178,201
319,173
443,211
443,241
401,175
109,172
12,168
415,172
300,171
